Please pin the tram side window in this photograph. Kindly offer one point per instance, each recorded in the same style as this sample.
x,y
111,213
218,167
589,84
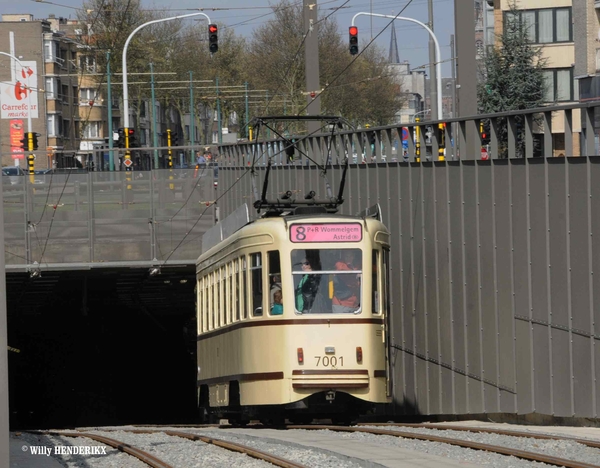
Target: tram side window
x,y
244,289
225,296
375,283
257,285
218,298
211,307
237,292
385,271
275,283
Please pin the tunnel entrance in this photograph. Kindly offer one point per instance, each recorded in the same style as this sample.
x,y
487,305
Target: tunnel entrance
x,y
101,347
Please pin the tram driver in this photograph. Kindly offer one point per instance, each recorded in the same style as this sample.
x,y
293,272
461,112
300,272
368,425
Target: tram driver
x,y
346,297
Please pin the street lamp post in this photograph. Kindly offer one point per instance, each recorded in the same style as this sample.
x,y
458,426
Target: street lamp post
x,y
125,90
425,111
438,65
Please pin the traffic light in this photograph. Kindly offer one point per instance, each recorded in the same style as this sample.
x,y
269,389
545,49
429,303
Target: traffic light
x,y
484,130
213,38
121,140
353,40
133,143
25,143
34,138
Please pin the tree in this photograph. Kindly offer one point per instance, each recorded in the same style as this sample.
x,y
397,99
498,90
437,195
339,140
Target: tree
x,y
512,78
362,92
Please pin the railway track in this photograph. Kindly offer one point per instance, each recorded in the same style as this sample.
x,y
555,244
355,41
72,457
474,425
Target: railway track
x,y
155,462
525,455
246,441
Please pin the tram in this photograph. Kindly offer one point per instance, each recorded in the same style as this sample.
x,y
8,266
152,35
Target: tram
x,y
280,332
292,314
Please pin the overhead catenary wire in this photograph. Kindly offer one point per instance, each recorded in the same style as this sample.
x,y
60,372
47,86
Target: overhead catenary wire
x,y
360,53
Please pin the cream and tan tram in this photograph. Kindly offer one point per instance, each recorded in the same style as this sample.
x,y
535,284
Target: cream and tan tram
x,y
292,315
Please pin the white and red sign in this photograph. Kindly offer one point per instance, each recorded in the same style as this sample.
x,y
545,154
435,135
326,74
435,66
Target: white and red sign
x,y
326,232
19,100
484,154
128,162
17,133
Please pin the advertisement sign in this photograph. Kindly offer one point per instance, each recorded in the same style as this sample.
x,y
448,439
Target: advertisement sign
x,y
17,133
17,98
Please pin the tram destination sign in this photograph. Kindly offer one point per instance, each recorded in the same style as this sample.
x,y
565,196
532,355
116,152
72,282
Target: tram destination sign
x,y
326,232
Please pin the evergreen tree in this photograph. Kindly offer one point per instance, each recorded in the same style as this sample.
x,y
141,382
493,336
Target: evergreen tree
x,y
512,78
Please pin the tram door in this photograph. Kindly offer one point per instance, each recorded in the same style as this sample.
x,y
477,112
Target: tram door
x,y
385,282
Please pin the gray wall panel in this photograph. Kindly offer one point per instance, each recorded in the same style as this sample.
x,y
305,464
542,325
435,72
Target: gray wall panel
x,y
561,366
418,279
471,286
488,312
459,362
595,239
537,195
521,284
560,348
431,291
408,342
581,321
445,288
579,230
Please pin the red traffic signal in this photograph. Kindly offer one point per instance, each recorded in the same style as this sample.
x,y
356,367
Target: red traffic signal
x,y
353,31
213,38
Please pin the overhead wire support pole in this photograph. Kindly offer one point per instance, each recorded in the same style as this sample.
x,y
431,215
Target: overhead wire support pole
x,y
438,60
192,118
125,89
111,153
154,130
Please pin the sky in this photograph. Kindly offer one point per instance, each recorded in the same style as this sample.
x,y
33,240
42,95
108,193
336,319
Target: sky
x,y
245,15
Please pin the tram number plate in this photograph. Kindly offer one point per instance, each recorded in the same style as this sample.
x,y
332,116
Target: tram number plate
x,y
329,361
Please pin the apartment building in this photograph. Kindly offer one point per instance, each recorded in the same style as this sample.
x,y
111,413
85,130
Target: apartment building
x,y
550,26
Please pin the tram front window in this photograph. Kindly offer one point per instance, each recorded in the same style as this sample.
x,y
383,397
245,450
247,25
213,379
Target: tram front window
x,y
327,281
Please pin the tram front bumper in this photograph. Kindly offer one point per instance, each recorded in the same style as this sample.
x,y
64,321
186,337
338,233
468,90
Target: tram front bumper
x,y
330,378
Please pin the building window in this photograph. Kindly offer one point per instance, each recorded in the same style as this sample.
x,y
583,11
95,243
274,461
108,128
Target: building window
x,y
51,88
49,51
87,63
54,123
559,84
546,26
91,130
87,94
64,93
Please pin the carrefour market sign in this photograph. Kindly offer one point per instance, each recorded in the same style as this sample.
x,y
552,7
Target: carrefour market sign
x,y
18,100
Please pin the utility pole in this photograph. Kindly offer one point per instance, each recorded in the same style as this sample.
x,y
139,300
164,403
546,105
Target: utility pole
x,y
433,95
220,134
192,118
466,75
454,103
111,153
311,60
154,132
247,116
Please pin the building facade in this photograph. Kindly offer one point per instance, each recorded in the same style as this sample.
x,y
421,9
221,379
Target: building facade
x,y
550,27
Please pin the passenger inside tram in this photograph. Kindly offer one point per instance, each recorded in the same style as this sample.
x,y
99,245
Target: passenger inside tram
x,y
327,281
